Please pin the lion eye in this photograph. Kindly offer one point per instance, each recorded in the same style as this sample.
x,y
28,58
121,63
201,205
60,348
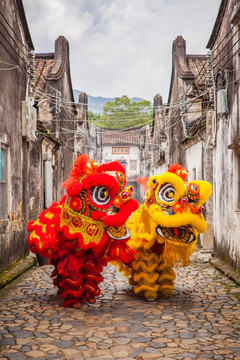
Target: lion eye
x,y
193,189
100,195
166,193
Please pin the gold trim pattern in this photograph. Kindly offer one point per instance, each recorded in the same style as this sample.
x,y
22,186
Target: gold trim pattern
x,y
92,231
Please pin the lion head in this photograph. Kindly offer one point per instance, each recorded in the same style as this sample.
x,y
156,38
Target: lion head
x,y
176,206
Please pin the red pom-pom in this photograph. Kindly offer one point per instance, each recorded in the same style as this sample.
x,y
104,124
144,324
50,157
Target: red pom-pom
x,y
178,170
79,168
74,189
75,203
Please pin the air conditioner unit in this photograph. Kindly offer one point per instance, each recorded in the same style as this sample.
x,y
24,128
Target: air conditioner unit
x,y
222,107
29,121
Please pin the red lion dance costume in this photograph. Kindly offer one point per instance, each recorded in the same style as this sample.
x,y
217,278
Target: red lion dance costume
x,y
86,229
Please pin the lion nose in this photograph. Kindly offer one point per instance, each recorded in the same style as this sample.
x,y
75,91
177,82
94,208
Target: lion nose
x,y
187,203
184,200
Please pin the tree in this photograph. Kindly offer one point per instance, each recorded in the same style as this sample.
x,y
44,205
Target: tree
x,y
94,118
122,113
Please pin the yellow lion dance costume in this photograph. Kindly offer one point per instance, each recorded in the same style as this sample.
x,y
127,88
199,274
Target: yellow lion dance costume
x,y
164,230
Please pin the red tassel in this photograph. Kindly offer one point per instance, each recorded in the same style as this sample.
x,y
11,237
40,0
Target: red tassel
x,y
143,181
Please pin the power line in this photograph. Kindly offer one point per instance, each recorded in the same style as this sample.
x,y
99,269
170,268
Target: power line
x,y
6,21
161,107
12,56
23,60
12,40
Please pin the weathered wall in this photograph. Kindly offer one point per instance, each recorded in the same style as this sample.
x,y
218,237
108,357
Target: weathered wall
x,y
224,42
194,161
53,154
35,181
13,245
189,149
82,136
60,80
226,210
160,169
199,165
159,137
65,153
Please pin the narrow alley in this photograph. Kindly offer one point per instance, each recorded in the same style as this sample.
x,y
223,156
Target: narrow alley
x,y
119,141
200,321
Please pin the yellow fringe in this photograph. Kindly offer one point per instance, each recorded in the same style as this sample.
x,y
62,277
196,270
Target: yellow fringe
x,y
142,288
166,277
149,257
142,229
142,266
166,280
152,274
148,278
166,290
151,294
177,254
125,270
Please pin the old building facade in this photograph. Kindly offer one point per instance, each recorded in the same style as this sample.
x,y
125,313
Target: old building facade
x,y
15,46
224,44
37,122
159,137
122,146
42,129
81,138
53,148
186,113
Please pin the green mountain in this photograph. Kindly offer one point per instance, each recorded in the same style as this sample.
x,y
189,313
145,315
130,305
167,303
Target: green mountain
x,y
96,103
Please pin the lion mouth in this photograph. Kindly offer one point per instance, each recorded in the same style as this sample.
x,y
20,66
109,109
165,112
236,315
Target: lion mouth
x,y
182,234
118,233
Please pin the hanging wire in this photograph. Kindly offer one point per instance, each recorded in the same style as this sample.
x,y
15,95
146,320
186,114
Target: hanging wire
x,y
12,47
7,22
67,105
12,56
162,107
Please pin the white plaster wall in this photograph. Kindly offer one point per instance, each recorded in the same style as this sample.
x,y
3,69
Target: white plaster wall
x,y
226,213
194,161
160,169
134,154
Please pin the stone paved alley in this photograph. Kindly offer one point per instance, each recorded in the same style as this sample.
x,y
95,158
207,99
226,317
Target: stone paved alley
x,y
200,321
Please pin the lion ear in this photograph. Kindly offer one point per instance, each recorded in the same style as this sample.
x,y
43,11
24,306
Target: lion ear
x,y
79,168
143,181
152,182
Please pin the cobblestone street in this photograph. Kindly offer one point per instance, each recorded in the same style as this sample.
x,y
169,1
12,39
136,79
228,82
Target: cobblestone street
x,y
200,321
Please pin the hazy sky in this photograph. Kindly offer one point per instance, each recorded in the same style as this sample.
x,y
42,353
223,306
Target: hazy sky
x,y
121,47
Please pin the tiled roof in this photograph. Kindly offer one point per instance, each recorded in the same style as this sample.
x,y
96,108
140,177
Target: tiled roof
x,y
121,137
44,64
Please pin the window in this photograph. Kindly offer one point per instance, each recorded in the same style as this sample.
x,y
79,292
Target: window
x,y
133,165
3,181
